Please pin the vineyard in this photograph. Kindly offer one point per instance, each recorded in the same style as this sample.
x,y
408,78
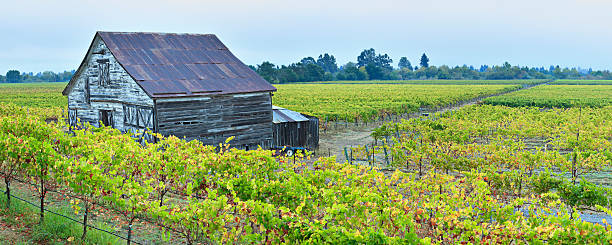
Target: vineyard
x,y
205,194
440,82
581,82
365,102
46,95
480,174
561,96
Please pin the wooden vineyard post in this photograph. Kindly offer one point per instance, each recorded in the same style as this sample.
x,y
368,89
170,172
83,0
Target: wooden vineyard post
x,y
346,122
325,128
385,150
368,154
8,192
346,155
85,221
129,236
373,158
351,154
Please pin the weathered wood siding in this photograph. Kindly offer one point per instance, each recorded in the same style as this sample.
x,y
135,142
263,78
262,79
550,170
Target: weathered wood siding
x,y
290,134
313,132
247,117
297,134
88,96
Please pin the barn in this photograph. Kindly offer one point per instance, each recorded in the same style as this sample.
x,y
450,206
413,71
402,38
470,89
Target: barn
x,y
188,85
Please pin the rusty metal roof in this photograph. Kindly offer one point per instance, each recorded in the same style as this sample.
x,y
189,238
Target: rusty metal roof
x,y
281,115
179,65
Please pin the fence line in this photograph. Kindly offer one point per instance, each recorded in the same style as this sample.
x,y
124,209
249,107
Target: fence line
x,y
64,216
69,218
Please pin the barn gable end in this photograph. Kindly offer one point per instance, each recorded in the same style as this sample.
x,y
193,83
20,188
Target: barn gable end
x,y
102,85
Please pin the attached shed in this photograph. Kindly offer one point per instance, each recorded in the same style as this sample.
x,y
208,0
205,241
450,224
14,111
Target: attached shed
x,y
188,85
294,129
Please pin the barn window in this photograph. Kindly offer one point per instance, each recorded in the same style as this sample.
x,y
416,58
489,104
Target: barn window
x,y
138,116
103,72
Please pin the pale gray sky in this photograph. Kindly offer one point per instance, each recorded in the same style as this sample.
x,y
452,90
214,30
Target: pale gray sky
x,y
54,35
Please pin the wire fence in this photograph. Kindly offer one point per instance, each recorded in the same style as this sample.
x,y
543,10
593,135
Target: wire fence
x,y
129,238
71,219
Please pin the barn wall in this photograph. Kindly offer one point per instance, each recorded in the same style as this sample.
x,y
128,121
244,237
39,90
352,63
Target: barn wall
x,y
313,132
293,134
121,90
213,119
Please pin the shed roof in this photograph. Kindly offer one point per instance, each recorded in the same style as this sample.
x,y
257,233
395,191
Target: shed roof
x,y
281,115
181,65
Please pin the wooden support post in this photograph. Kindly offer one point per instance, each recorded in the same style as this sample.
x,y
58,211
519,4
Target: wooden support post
x,y
368,154
346,155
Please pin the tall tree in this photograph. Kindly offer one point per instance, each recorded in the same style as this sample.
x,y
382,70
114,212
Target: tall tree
x,y
351,72
13,76
375,72
384,61
404,63
367,56
424,61
313,72
308,60
267,70
328,63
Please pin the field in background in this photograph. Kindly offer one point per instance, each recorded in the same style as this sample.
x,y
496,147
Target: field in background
x,y
563,96
581,82
33,94
367,101
438,82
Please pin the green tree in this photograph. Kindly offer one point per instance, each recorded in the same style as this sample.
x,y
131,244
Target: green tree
x,y
308,60
367,56
328,63
404,63
287,74
375,72
268,71
13,76
313,72
424,61
351,72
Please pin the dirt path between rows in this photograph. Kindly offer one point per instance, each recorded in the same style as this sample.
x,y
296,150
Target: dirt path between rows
x,y
338,136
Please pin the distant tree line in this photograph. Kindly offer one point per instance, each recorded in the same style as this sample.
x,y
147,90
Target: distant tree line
x,y
373,66
14,76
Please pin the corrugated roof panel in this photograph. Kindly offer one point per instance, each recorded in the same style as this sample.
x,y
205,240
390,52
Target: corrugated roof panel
x,y
172,65
281,115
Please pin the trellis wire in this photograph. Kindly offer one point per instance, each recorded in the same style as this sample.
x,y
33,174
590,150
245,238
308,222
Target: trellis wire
x,y
69,218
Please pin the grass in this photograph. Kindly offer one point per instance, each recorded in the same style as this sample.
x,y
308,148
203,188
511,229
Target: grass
x,y
24,218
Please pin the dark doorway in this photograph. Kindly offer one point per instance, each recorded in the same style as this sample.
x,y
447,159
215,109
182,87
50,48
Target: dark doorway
x,y
106,117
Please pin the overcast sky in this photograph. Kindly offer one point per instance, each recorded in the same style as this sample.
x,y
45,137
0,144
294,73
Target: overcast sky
x,y
54,35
